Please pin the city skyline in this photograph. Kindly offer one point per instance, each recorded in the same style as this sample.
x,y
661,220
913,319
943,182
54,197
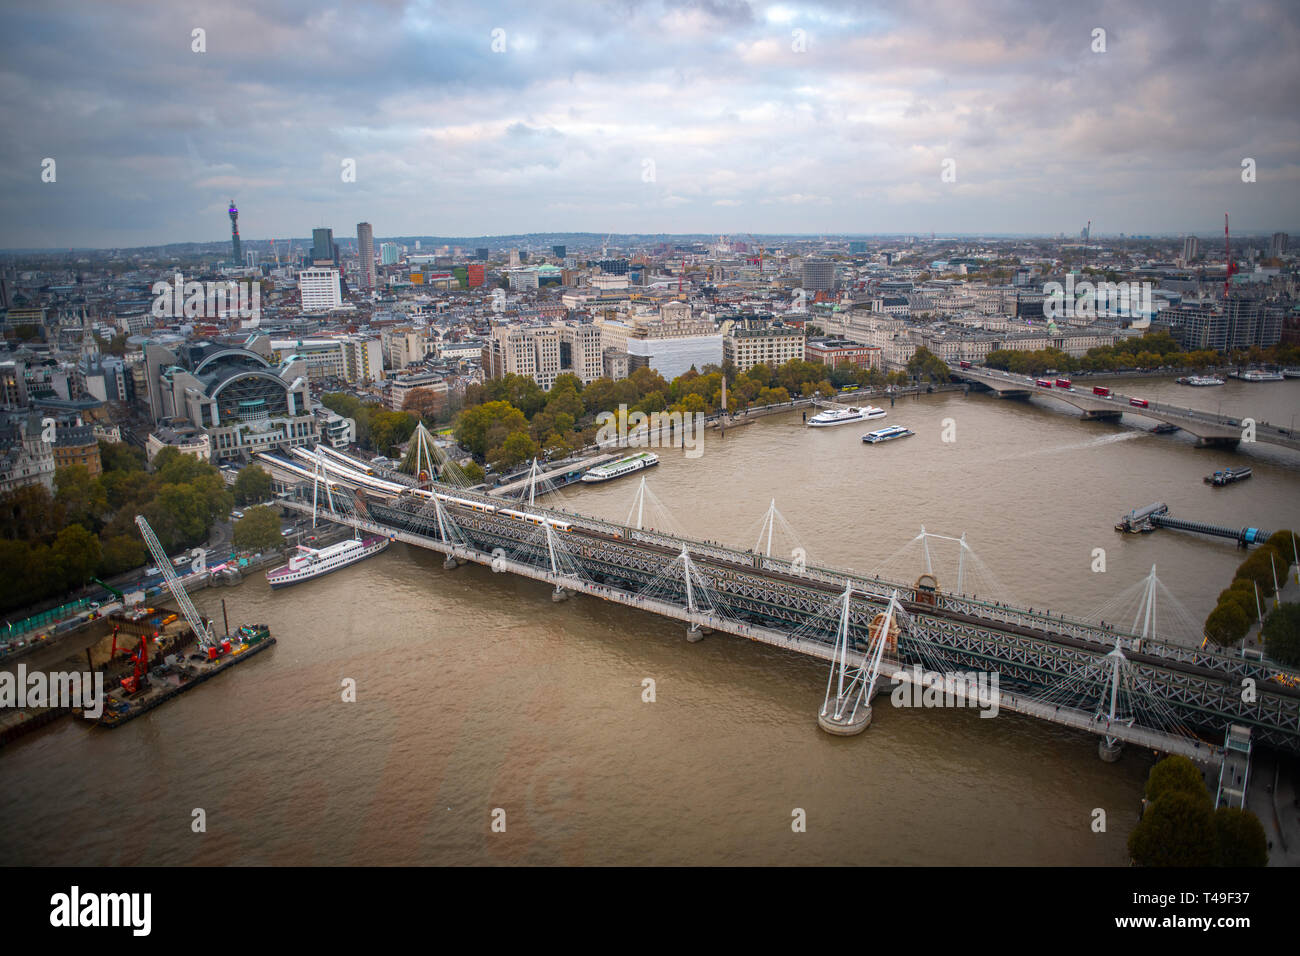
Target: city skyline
x,y
675,118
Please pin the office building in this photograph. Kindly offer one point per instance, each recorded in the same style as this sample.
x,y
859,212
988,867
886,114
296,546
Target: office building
x,y
818,275
1191,248
772,346
366,253
320,289
390,254
323,248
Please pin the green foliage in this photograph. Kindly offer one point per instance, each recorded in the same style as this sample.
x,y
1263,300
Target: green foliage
x,y
1281,634
87,528
390,428
929,366
1286,542
1242,598
1239,838
1175,774
252,485
1227,623
1176,830
515,449
258,530
1264,567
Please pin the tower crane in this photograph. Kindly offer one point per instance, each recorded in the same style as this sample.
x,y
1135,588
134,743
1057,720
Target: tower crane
x,y
207,642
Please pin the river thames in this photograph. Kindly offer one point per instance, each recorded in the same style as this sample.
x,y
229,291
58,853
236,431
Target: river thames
x,y
475,692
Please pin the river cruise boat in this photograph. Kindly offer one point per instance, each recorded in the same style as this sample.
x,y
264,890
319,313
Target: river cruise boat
x,y
1201,381
624,466
1258,375
310,563
844,416
887,434
1291,373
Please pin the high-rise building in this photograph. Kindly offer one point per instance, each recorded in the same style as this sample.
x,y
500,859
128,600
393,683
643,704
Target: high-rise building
x,y
1277,245
390,253
475,274
234,231
322,245
857,247
366,252
320,289
514,258
481,253
818,275
558,251
1191,248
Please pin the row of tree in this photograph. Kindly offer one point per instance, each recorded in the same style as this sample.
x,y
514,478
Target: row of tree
x,y
1256,580
51,544
1180,827
509,420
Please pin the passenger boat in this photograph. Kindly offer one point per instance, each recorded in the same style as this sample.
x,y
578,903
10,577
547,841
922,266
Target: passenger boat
x,y
1258,375
624,466
1291,373
1227,476
1200,381
311,563
887,434
843,416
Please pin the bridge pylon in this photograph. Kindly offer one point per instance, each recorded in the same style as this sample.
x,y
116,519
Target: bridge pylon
x,y
848,711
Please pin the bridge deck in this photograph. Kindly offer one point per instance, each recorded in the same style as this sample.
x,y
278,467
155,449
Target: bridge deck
x,y
1076,719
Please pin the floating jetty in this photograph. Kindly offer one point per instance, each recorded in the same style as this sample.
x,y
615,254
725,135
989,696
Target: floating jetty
x,y
1148,519
171,680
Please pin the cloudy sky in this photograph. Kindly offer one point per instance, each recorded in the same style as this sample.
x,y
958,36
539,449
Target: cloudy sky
x,y
721,116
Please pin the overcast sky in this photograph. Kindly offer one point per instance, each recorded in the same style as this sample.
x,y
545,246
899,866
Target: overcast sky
x,y
715,116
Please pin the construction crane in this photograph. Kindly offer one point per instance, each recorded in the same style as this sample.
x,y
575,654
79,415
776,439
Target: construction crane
x,y
207,642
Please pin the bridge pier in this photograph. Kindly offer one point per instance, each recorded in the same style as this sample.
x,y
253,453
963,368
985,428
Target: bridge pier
x,y
559,594
450,563
1109,749
848,725
695,633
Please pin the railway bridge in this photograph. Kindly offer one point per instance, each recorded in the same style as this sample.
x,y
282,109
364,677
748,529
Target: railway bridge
x,y
1123,685
1209,428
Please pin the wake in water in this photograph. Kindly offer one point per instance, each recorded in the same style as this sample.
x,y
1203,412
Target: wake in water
x,y
1092,443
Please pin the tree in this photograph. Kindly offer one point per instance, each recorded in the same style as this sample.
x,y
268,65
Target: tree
x,y
1265,567
1175,774
1176,830
425,403
82,499
1281,634
517,447
474,424
927,365
1227,624
258,530
76,552
1239,838
252,485
1285,542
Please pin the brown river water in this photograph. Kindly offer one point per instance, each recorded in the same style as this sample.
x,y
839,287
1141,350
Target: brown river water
x,y
475,692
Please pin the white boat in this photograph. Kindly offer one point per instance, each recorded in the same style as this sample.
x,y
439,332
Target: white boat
x,y
624,466
1291,373
1201,381
843,416
1256,375
887,434
310,563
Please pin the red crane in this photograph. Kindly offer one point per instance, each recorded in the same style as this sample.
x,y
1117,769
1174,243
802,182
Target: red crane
x,y
1227,257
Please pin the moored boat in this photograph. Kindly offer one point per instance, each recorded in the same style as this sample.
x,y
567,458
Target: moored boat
x,y
310,563
1200,381
844,416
